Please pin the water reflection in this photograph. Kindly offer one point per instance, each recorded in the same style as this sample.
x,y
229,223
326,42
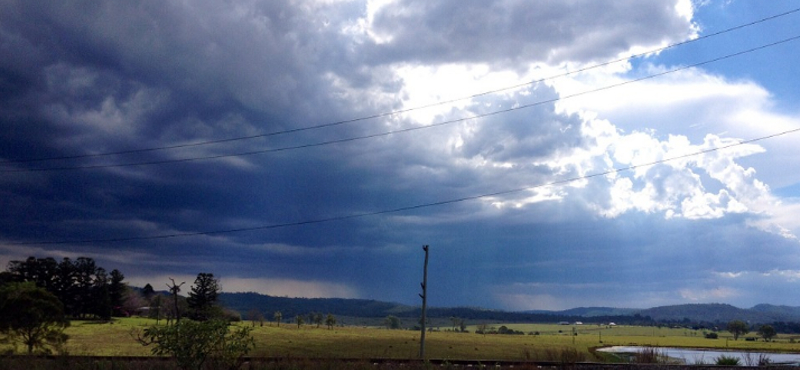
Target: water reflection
x,y
700,356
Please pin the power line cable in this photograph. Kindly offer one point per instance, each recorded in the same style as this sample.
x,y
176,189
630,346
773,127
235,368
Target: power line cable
x,y
396,112
411,207
409,129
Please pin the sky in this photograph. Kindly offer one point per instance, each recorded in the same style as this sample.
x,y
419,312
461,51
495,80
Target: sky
x,y
553,154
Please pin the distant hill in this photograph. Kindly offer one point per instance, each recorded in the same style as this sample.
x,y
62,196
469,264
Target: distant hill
x,y
715,313
267,305
721,313
705,312
694,312
290,307
599,311
785,313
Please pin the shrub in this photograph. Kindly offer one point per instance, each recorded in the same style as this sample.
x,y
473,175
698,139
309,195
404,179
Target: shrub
x,y
192,343
711,336
231,315
727,360
649,355
564,355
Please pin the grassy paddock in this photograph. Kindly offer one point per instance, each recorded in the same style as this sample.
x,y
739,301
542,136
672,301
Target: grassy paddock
x,y
553,343
596,336
68,363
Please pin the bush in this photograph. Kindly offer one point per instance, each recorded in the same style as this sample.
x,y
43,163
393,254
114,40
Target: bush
x,y
649,355
231,315
564,355
711,336
727,360
192,343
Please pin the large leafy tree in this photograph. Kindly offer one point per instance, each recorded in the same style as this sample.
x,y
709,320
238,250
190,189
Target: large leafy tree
x,y
738,328
767,332
33,315
203,297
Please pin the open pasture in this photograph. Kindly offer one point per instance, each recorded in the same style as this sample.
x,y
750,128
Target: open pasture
x,y
603,335
551,344
289,341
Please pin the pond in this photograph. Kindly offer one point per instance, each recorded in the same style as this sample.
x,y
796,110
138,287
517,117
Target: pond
x,y
693,356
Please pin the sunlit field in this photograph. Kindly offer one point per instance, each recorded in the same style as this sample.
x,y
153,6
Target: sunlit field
x,y
289,341
589,336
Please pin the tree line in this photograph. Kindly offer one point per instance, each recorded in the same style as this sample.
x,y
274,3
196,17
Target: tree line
x,y
38,296
84,289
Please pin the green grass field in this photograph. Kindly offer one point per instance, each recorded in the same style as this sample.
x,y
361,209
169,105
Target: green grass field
x,y
118,339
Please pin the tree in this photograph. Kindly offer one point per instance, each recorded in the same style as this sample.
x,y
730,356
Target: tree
x,y
767,332
40,271
175,289
192,343
66,290
482,328
203,297
148,291
132,301
81,286
299,320
391,322
455,320
318,319
330,321
48,274
116,293
86,292
32,314
100,301
255,315
278,317
737,328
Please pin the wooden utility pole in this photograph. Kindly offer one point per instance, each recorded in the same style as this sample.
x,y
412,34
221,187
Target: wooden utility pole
x,y
424,297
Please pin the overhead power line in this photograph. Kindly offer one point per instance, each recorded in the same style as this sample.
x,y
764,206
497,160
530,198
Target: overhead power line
x,y
409,129
409,207
396,112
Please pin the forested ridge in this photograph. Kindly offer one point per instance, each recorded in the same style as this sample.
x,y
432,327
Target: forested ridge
x,y
711,315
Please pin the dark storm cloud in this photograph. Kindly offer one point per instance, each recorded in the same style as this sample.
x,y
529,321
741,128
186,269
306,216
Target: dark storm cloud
x,y
81,78
96,77
167,72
